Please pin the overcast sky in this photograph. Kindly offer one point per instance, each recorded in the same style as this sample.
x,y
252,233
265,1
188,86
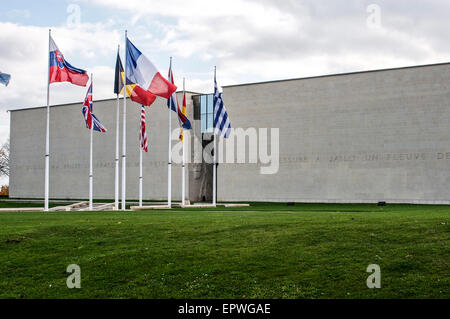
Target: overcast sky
x,y
248,40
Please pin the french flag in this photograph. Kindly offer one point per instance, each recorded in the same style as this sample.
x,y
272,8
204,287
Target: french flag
x,y
62,71
143,79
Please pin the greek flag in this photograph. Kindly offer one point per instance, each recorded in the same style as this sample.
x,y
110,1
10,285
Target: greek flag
x,y
222,125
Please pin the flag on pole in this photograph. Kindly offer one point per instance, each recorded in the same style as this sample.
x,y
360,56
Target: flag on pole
x,y
88,114
183,110
172,103
62,71
119,76
222,125
143,79
98,126
4,78
86,110
142,132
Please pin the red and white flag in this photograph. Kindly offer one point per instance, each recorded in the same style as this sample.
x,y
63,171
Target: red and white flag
x,y
142,132
62,71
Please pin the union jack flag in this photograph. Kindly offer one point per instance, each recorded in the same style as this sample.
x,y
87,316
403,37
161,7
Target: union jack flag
x,y
88,114
87,108
142,132
98,126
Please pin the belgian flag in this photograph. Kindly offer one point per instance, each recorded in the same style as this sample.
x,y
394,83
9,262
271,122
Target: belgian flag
x,y
119,77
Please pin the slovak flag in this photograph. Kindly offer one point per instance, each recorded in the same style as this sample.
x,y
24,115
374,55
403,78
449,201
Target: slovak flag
x,y
89,117
172,103
62,71
143,79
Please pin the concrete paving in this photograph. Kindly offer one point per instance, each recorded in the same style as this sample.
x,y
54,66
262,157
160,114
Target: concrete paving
x,y
22,210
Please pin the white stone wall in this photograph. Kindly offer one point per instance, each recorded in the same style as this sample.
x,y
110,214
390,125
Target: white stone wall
x,y
69,152
364,137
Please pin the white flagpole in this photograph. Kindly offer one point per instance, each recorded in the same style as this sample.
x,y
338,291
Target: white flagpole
x,y
214,161
169,166
140,173
91,174
116,177
183,170
214,173
124,142
47,132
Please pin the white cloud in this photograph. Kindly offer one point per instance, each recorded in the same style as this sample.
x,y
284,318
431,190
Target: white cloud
x,y
269,39
248,41
4,127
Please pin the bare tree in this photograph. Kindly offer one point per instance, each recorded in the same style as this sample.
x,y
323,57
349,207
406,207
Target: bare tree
x,y
4,159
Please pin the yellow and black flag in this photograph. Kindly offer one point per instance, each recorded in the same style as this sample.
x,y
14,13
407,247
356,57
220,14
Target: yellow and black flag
x,y
119,77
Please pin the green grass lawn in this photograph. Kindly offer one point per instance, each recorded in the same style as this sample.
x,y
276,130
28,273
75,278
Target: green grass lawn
x,y
265,251
23,205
